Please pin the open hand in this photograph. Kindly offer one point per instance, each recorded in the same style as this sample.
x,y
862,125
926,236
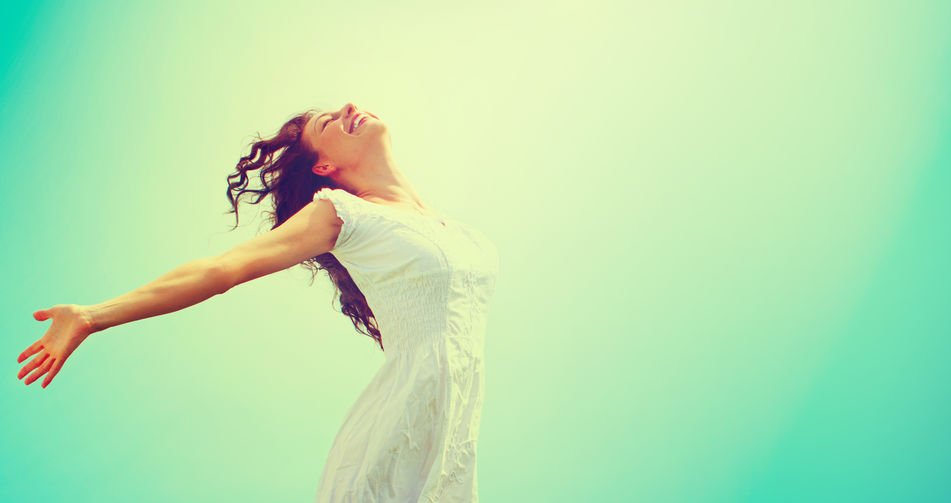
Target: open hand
x,y
71,325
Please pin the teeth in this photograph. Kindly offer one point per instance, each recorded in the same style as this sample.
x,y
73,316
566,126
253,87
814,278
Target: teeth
x,y
357,122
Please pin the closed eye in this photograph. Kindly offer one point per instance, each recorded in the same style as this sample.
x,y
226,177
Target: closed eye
x,y
328,121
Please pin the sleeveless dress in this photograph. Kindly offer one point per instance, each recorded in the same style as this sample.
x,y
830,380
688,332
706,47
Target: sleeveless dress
x,y
411,435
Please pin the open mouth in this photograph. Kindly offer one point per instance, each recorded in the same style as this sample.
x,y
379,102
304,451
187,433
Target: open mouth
x,y
357,122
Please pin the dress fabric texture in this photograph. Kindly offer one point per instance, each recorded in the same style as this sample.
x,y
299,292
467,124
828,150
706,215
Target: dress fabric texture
x,y
412,433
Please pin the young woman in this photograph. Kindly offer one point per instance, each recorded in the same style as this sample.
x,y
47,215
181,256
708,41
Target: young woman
x,y
415,281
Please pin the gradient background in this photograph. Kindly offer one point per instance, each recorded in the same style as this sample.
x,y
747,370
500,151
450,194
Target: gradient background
x,y
724,238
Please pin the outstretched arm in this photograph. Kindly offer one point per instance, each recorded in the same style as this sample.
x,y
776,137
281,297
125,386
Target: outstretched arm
x,y
310,232
183,286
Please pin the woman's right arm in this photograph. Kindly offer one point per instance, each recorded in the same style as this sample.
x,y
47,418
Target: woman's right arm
x,y
310,232
186,285
183,286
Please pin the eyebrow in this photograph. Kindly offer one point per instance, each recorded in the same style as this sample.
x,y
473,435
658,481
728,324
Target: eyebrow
x,y
318,120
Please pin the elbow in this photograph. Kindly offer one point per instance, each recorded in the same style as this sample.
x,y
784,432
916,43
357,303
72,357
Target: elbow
x,y
221,278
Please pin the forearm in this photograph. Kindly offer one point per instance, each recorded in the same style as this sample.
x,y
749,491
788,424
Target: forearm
x,y
186,285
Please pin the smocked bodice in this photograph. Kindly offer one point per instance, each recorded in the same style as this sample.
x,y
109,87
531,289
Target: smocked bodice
x,y
412,433
423,276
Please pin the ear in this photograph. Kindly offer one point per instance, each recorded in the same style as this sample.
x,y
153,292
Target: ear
x,y
323,169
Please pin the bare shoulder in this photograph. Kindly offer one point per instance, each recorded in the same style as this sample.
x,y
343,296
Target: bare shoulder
x,y
325,210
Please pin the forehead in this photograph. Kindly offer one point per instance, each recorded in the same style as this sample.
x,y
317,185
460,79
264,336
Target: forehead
x,y
312,128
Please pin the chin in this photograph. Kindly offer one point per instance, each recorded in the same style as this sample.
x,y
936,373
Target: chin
x,y
376,131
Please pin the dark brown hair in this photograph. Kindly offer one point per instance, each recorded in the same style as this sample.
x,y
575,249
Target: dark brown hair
x,y
286,175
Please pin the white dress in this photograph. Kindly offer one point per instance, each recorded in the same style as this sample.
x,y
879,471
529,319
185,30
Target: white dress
x,y
411,435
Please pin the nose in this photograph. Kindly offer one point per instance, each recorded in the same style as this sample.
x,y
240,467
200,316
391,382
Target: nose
x,y
348,110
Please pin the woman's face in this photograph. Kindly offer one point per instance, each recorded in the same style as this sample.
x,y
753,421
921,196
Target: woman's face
x,y
344,137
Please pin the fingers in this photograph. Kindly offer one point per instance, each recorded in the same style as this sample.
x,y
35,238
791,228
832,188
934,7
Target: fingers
x,y
43,364
38,315
32,365
36,346
57,364
39,372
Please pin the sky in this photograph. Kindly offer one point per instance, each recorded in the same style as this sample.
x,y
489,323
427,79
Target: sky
x,y
723,237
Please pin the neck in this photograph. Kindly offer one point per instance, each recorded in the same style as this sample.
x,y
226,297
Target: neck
x,y
379,177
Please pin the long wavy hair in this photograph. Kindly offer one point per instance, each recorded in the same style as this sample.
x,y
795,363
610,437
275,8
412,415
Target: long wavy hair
x,y
285,173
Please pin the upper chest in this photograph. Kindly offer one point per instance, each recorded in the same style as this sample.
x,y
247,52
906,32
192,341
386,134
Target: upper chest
x,y
406,243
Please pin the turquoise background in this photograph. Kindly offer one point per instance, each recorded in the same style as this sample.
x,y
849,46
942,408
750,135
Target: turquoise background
x,y
723,229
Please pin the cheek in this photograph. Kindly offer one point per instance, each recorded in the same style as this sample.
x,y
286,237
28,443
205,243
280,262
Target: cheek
x,y
332,137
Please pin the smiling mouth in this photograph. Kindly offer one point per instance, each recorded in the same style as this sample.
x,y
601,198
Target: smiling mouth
x,y
357,122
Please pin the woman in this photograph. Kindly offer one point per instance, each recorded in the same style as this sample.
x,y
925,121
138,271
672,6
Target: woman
x,y
414,280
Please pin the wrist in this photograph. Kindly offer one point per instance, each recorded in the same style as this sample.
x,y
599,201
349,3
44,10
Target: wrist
x,y
87,314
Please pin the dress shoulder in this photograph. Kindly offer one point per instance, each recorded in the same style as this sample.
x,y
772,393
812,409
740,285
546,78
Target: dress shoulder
x,y
347,210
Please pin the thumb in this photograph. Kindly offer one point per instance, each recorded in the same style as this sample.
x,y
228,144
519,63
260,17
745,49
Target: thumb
x,y
41,314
